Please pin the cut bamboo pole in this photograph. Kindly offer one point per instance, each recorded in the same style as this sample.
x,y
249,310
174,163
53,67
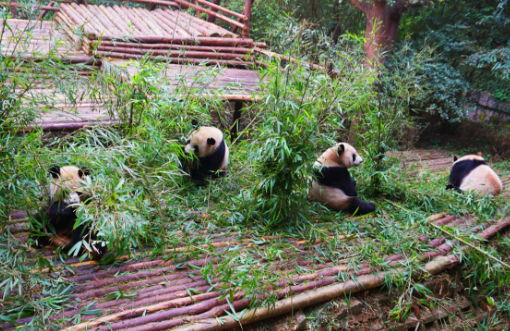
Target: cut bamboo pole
x,y
171,46
247,13
156,2
172,53
194,41
185,28
217,15
225,10
104,20
177,29
92,19
64,26
45,11
17,5
75,17
208,26
153,28
315,297
121,19
134,19
163,24
113,21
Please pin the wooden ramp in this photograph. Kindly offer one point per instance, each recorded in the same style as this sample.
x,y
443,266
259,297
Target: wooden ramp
x,y
157,290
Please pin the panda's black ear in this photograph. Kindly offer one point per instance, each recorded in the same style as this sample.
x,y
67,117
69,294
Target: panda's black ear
x,y
194,122
455,158
341,148
55,171
83,172
211,141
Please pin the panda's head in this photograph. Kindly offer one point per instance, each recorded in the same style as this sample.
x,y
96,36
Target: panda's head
x,y
203,141
65,184
471,157
342,154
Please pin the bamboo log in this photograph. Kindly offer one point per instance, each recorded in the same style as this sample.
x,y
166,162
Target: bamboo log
x,y
104,20
134,19
161,22
187,29
177,54
445,220
204,24
121,24
207,11
492,230
153,27
45,11
225,10
436,217
92,19
172,46
17,5
63,24
156,2
247,13
198,40
70,12
314,297
191,22
177,29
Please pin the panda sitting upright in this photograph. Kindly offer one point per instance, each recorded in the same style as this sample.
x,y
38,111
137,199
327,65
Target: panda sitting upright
x,y
64,191
333,185
471,173
210,153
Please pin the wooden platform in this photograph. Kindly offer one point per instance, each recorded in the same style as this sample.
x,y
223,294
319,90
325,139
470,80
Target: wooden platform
x,y
160,286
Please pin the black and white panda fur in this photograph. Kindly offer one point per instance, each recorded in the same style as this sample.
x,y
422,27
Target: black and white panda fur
x,y
333,185
64,191
471,173
210,153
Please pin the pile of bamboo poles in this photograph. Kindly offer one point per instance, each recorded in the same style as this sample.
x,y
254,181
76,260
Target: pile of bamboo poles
x,y
164,34
163,300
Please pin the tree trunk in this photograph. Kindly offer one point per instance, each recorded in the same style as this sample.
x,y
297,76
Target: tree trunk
x,y
382,27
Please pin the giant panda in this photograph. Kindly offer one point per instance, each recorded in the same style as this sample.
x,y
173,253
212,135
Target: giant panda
x,y
471,173
333,185
210,153
64,191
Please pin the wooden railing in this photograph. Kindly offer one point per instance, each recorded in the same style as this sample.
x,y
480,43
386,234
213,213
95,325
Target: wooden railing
x,y
242,22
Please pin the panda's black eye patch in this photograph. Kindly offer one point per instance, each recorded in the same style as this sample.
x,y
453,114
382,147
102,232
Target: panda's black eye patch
x,y
353,157
187,142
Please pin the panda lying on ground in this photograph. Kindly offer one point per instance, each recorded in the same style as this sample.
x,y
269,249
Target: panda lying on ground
x,y
64,191
210,153
471,173
333,185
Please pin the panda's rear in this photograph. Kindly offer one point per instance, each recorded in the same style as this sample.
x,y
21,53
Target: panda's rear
x,y
471,173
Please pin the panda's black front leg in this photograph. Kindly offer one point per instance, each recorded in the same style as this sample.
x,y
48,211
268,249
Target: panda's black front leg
x,y
83,232
353,182
40,241
453,187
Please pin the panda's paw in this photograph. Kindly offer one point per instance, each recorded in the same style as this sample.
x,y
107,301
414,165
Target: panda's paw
x,y
450,187
37,242
353,182
98,251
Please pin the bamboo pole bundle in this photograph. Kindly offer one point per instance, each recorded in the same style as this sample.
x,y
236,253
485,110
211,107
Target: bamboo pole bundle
x,y
242,50
171,26
121,25
225,10
91,18
173,53
134,19
187,28
190,23
101,18
206,25
207,11
177,29
140,15
208,41
177,60
75,17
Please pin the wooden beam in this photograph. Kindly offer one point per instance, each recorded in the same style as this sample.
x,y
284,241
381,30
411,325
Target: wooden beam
x,y
247,13
211,19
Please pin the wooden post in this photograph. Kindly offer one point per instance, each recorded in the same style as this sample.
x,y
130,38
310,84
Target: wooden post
x,y
238,106
44,12
247,13
211,18
196,10
14,10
